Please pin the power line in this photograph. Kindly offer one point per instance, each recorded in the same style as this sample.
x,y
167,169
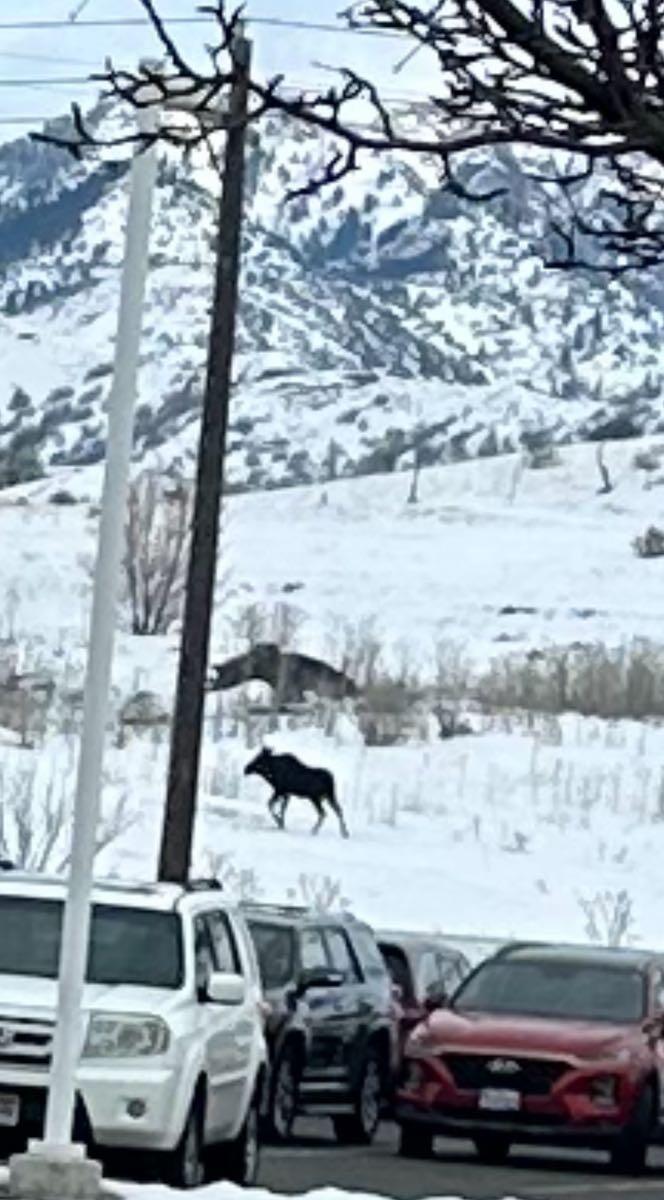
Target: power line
x,y
143,22
48,82
404,96
47,58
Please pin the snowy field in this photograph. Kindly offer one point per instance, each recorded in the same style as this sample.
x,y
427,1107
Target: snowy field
x,y
534,826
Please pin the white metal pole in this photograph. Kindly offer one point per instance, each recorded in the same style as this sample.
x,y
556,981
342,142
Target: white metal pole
x,y
76,928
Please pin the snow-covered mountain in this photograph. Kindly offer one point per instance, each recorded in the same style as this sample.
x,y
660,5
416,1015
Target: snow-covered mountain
x,y
377,316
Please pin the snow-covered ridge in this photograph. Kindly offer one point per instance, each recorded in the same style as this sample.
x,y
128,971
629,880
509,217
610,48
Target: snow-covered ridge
x,y
379,315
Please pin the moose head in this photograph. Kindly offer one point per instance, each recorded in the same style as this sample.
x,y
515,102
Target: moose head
x,y
261,764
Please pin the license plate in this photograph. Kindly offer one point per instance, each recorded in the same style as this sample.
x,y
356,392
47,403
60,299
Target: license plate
x,y
9,1110
500,1100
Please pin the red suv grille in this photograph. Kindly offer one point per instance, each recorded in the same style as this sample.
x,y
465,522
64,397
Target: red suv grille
x,y
529,1076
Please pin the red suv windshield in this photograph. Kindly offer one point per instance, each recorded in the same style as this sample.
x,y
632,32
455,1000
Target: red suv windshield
x,y
555,988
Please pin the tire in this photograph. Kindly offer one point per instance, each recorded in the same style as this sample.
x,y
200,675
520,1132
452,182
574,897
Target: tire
x,y
630,1150
359,1127
415,1141
238,1161
283,1097
492,1148
185,1166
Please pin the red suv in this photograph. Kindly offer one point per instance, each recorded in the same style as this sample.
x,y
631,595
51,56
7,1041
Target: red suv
x,y
546,1044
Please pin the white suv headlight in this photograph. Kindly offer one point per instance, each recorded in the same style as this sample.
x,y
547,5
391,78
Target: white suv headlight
x,y
125,1036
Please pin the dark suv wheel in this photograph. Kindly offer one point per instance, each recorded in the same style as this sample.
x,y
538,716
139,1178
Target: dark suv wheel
x,y
283,1096
415,1141
184,1167
238,1161
359,1127
242,1156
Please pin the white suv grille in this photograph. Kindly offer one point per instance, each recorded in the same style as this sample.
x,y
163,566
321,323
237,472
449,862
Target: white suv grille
x,y
26,1042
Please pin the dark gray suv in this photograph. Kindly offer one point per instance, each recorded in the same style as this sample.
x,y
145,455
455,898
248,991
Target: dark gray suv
x,y
332,1028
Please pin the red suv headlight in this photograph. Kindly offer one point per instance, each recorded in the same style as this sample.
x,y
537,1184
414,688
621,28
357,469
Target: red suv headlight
x,y
603,1090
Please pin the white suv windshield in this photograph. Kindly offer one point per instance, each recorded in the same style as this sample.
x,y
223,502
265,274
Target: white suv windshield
x,y
128,945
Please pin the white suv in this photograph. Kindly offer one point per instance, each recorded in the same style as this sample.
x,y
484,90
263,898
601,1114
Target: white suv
x,y
173,1054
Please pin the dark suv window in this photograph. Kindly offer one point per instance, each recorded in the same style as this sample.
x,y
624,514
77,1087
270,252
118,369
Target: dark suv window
x,y
226,957
364,942
312,950
341,955
275,950
397,965
214,947
439,974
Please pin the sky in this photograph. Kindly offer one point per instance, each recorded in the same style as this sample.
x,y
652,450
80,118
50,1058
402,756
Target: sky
x,y
28,56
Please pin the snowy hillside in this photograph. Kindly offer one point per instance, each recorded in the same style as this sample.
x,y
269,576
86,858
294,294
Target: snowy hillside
x,y
379,316
533,825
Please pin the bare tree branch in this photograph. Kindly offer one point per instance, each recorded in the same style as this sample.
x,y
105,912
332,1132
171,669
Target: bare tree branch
x,y
580,80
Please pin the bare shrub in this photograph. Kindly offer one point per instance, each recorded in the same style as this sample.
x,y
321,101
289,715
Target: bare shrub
x,y
609,917
320,892
451,724
35,822
256,623
392,711
543,458
594,680
144,709
453,672
649,544
648,460
25,705
285,622
251,624
241,882
157,536
62,498
361,652
539,450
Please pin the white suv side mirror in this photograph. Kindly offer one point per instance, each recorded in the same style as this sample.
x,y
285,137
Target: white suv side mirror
x,y
225,988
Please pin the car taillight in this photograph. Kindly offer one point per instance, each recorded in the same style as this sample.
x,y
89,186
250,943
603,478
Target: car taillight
x,y
604,1091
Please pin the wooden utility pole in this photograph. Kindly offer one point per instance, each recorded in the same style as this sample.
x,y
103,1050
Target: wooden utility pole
x,y
186,734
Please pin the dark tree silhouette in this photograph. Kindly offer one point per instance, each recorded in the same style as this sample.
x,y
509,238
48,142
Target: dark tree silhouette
x,y
582,80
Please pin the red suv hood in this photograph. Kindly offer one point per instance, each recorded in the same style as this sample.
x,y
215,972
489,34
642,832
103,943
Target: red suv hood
x,y
524,1035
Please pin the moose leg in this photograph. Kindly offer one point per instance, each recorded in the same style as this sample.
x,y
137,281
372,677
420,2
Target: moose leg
x,y
285,800
273,805
337,809
318,804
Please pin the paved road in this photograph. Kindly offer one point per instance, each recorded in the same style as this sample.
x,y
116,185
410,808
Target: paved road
x,y
316,1161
